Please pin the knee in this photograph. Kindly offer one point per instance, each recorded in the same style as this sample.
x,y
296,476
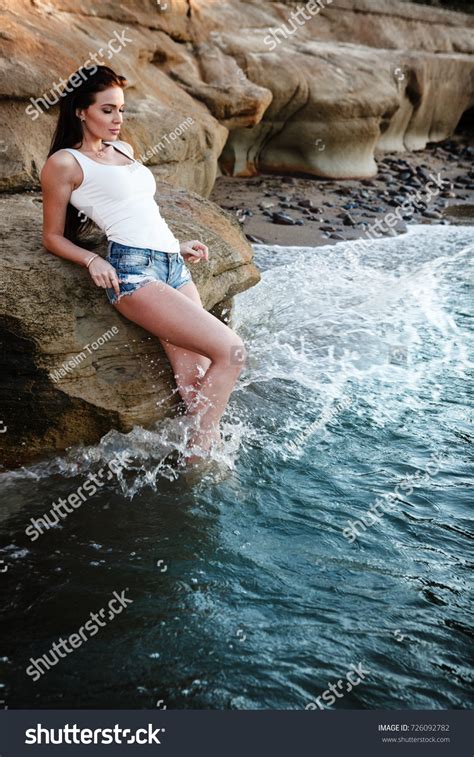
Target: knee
x,y
231,354
237,354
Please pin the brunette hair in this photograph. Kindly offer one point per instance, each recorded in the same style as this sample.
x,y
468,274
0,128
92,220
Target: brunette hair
x,y
79,92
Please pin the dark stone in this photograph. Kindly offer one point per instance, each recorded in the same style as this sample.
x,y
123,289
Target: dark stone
x,y
348,220
283,219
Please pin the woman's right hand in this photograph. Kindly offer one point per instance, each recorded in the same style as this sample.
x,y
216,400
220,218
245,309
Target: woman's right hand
x,y
104,275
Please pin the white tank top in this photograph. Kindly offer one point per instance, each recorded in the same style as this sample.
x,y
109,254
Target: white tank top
x,y
120,200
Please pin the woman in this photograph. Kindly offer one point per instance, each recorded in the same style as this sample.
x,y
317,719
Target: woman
x,y
144,274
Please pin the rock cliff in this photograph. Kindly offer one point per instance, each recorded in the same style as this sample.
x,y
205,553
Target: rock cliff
x,y
268,87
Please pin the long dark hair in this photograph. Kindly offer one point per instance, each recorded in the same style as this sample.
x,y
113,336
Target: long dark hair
x,y
68,131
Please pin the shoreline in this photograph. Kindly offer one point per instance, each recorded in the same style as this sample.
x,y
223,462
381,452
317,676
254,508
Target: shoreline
x,y
303,211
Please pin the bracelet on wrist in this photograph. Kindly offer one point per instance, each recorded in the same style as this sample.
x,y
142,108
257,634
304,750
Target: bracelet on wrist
x,y
90,260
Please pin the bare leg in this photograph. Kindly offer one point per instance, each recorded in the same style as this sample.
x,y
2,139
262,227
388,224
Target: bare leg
x,y
172,316
189,368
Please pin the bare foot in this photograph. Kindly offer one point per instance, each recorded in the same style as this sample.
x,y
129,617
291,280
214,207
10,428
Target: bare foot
x,y
205,444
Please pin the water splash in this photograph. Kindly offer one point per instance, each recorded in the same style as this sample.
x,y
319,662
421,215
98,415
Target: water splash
x,y
341,329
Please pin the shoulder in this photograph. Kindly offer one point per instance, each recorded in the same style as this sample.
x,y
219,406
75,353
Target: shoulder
x,y
60,159
126,146
60,164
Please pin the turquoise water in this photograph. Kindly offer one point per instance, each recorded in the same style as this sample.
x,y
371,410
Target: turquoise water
x,y
246,593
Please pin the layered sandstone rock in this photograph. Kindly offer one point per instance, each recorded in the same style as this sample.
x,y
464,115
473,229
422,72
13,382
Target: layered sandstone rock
x,y
266,91
357,77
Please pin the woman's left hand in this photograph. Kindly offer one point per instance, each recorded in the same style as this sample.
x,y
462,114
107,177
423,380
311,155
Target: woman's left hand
x,y
194,251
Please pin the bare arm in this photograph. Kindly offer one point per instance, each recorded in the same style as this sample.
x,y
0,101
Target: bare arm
x,y
60,175
58,179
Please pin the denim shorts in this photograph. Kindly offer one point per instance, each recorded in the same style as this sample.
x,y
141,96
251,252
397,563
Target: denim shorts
x,y
137,266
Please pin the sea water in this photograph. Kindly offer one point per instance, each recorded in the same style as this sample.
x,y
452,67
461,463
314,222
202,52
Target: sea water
x,y
250,588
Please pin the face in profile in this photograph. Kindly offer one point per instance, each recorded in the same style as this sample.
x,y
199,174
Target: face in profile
x,y
105,115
